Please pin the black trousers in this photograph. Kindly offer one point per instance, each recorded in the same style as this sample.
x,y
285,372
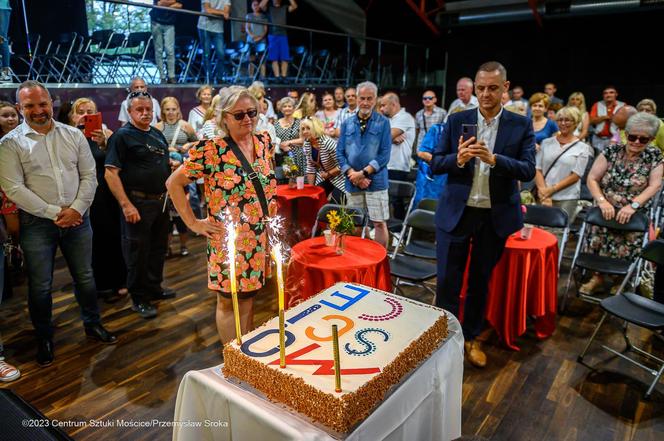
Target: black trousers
x,y
476,228
144,246
658,291
399,205
108,264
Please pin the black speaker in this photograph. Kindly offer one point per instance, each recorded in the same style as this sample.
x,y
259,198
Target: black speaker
x,y
22,422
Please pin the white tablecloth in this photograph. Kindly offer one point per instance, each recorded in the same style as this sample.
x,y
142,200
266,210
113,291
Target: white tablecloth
x,y
427,406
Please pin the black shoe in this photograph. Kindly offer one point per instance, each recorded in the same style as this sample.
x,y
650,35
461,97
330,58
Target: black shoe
x,y
97,332
166,293
145,310
45,352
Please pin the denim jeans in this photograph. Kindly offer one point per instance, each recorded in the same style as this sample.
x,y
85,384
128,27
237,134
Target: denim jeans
x,y
4,28
207,39
144,246
164,39
39,239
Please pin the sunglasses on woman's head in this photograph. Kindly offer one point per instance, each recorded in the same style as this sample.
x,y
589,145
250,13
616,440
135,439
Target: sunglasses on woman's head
x,y
640,139
239,116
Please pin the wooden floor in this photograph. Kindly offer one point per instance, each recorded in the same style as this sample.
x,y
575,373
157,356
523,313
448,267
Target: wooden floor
x,y
540,393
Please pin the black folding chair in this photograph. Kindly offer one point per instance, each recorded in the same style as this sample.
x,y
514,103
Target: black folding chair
x,y
428,204
399,191
409,270
550,217
589,262
422,224
360,217
639,311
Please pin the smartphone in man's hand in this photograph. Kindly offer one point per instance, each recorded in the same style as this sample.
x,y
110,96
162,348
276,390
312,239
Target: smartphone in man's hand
x,y
468,131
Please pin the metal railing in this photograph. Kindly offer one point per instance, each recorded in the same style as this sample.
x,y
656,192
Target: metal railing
x,y
318,58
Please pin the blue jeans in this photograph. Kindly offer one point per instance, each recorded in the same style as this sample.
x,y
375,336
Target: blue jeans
x,y
39,239
164,40
4,28
207,40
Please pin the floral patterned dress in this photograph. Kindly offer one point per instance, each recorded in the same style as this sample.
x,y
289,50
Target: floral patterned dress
x,y
229,190
622,182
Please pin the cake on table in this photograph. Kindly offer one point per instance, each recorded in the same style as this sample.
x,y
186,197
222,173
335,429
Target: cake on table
x,y
382,337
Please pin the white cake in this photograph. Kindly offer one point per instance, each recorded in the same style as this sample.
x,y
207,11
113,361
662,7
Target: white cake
x,y
382,337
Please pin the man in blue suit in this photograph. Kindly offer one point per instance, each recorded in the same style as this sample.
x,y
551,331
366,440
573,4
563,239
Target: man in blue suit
x,y
480,203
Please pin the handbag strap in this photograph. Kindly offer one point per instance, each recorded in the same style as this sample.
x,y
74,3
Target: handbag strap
x,y
559,156
251,174
175,135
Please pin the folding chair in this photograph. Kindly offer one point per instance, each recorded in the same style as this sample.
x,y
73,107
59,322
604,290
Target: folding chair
x,y
424,246
590,262
399,190
639,311
428,204
299,60
360,217
409,270
550,217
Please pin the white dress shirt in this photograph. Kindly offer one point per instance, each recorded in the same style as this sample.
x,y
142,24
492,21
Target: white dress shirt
x,y
480,195
459,106
43,173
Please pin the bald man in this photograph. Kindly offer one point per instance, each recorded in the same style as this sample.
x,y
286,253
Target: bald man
x,y
429,115
620,120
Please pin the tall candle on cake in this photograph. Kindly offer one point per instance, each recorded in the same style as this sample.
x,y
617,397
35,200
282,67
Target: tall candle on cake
x,y
278,260
337,366
231,236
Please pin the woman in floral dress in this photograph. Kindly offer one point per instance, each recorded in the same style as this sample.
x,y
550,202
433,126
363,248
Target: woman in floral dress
x,y
229,192
623,179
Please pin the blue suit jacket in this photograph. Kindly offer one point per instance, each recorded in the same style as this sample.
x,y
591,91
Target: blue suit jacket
x,y
515,160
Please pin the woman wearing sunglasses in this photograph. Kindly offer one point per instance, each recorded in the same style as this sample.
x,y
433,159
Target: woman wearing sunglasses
x,y
623,179
240,188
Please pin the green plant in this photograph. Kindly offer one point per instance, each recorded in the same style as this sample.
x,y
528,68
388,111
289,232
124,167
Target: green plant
x,y
341,221
291,170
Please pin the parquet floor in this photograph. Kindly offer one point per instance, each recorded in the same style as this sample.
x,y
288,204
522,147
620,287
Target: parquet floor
x,y
539,393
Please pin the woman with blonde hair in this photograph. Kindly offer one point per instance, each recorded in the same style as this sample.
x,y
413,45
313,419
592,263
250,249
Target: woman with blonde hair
x,y
578,100
210,127
178,132
322,164
108,264
197,114
306,107
287,129
242,197
560,164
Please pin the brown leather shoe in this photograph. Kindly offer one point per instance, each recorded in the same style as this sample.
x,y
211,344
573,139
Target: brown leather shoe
x,y
474,353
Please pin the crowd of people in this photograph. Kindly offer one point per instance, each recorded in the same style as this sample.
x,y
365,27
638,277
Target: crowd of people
x,y
161,175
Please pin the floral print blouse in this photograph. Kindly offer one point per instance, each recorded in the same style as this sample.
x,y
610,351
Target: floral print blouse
x,y
6,206
229,190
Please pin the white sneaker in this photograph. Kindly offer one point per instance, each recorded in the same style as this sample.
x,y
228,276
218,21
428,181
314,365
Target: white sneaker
x,y
8,372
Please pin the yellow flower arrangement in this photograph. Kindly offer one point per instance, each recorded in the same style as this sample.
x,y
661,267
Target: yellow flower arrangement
x,y
341,221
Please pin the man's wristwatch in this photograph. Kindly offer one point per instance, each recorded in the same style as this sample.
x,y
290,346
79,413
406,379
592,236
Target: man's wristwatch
x,y
365,173
635,205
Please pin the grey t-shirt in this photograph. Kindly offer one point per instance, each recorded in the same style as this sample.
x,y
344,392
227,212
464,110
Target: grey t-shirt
x,y
278,17
255,28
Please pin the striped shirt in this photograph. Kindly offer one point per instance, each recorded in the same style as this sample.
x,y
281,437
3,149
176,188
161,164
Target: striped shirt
x,y
324,159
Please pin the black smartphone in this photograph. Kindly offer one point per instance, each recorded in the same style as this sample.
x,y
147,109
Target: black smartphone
x,y
468,131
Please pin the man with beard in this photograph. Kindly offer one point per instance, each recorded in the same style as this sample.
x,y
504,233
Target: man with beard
x,y
47,169
137,166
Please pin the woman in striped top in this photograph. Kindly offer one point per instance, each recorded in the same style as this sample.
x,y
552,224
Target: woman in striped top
x,y
322,165
177,131
197,114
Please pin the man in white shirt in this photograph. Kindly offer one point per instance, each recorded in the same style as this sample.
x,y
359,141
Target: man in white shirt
x,y
47,170
465,98
402,125
137,84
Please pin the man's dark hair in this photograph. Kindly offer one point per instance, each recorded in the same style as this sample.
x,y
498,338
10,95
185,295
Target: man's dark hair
x,y
31,84
492,66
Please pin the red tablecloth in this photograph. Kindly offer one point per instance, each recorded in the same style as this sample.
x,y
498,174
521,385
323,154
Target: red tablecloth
x,y
299,208
524,283
315,267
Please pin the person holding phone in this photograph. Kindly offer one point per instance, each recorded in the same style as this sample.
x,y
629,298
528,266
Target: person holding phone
x,y
107,262
480,203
